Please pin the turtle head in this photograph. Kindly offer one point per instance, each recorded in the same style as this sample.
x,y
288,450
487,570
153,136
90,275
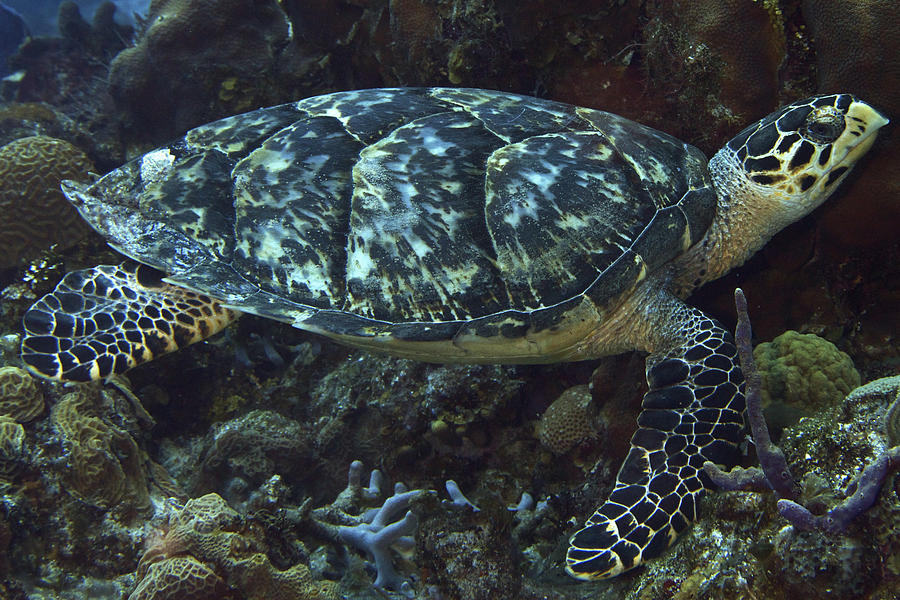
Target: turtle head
x,y
777,171
797,156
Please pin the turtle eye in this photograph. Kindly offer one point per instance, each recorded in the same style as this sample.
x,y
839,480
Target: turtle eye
x,y
823,125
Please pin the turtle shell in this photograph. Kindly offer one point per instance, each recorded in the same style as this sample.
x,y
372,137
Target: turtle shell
x,y
411,215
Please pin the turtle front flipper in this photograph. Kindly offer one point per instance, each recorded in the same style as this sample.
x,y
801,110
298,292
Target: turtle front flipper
x,y
103,321
692,413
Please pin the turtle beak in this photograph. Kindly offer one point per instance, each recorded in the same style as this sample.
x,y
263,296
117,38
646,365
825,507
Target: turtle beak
x,y
74,191
83,196
863,122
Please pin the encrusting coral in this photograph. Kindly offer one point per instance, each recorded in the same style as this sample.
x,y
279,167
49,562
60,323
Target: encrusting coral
x,y
255,445
35,213
21,397
182,577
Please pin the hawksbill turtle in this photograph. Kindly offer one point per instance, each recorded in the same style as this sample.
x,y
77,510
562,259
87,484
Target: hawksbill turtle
x,y
462,225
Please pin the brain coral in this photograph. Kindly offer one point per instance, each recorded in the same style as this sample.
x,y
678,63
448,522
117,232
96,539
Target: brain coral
x,y
106,467
20,395
35,213
215,546
12,443
179,578
568,420
804,372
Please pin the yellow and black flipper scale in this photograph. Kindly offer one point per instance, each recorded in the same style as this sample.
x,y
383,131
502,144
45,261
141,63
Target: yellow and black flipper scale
x,y
693,412
103,321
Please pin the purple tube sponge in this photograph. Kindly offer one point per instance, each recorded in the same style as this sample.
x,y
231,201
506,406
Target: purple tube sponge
x,y
859,495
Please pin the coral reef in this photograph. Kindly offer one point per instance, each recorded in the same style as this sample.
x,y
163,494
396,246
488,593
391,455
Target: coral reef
x,y
470,555
179,577
856,45
62,543
68,74
206,550
26,119
801,374
892,416
847,561
21,397
698,70
745,549
5,537
106,467
397,412
568,421
36,215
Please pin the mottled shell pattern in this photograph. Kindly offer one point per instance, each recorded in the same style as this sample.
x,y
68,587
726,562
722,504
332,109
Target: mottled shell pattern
x,y
410,214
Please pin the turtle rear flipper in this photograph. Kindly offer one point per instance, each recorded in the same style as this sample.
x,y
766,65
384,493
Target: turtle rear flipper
x,y
692,413
103,321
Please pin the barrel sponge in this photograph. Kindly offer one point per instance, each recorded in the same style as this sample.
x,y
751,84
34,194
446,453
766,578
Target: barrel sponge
x,y
21,397
805,371
568,420
35,213
106,467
